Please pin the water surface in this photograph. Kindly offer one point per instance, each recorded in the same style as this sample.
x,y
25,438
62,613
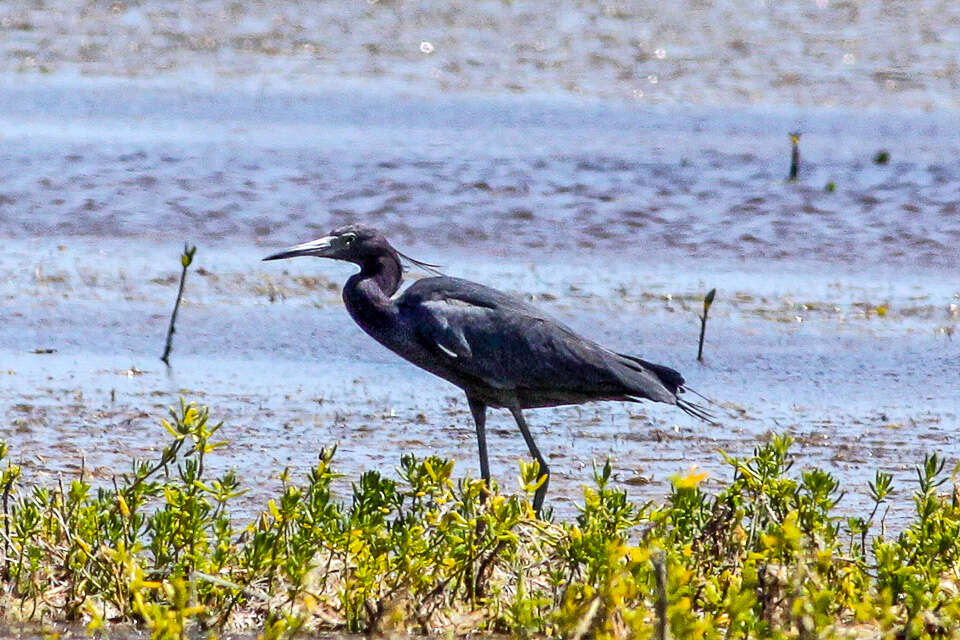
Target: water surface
x,y
607,163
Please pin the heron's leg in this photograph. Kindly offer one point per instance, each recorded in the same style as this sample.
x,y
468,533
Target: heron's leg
x,y
479,411
532,446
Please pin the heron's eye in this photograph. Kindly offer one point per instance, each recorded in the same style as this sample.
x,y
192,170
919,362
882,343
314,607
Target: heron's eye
x,y
348,239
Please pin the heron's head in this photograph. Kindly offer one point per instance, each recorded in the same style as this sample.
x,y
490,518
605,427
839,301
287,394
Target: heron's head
x,y
352,243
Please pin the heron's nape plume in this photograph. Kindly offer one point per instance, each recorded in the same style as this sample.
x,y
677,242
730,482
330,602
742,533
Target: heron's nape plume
x,y
501,351
426,266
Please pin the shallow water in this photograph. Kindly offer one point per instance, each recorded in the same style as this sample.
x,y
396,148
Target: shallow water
x,y
836,312
271,349
512,175
891,54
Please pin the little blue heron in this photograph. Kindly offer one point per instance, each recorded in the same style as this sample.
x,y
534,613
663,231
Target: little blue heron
x,y
501,351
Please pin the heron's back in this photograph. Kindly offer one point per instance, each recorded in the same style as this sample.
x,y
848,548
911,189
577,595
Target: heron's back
x,y
504,350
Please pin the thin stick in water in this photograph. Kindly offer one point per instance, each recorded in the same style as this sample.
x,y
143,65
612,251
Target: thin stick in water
x,y
794,155
185,259
707,301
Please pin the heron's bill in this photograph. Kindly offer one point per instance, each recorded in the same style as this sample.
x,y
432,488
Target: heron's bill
x,y
319,247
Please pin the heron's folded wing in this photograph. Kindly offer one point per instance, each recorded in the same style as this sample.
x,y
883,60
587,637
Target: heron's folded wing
x,y
508,348
439,327
482,333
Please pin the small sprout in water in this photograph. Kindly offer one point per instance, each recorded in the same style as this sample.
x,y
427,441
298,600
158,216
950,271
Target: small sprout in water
x,y
881,157
794,155
185,259
831,187
707,302
187,256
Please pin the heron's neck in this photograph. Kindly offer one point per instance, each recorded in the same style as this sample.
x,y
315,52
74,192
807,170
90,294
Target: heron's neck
x,y
367,294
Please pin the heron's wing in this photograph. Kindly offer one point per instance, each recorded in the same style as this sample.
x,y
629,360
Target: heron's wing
x,y
482,333
465,292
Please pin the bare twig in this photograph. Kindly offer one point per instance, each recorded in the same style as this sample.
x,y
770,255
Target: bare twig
x,y
794,155
185,259
583,627
707,301
659,560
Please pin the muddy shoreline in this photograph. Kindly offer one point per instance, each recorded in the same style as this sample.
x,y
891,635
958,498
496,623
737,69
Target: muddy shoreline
x,y
275,355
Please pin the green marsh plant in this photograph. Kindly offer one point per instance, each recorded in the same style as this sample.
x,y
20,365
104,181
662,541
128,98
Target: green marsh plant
x,y
421,550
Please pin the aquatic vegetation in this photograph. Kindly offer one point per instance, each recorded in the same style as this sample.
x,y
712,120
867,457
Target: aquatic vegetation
x,y
425,551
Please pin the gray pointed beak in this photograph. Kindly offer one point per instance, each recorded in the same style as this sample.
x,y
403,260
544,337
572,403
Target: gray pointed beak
x,y
321,248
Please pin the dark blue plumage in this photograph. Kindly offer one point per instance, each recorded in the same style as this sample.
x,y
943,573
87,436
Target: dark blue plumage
x,y
500,350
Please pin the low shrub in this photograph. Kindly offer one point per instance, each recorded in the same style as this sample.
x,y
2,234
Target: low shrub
x,y
765,556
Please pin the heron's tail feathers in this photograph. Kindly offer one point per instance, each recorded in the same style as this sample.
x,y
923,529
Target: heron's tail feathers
x,y
675,384
697,411
690,408
670,378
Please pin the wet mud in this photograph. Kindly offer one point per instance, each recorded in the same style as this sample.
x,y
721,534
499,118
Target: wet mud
x,y
861,371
